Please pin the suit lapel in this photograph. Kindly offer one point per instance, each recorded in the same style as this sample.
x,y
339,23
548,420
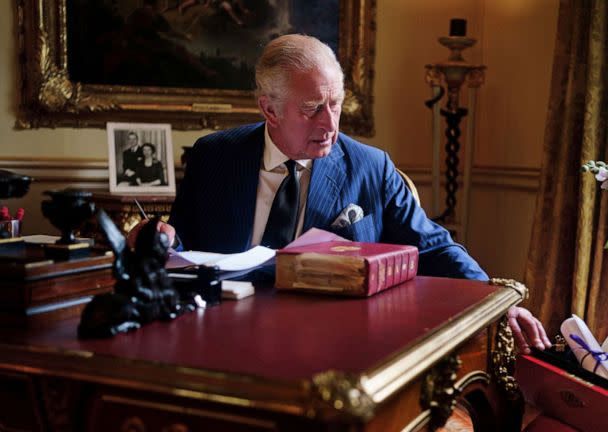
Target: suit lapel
x,y
247,178
326,182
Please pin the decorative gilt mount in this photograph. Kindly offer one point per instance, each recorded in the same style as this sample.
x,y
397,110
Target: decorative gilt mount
x,y
341,395
503,361
503,352
520,288
51,98
439,392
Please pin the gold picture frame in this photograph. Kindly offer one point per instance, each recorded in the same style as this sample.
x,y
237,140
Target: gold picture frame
x,y
49,98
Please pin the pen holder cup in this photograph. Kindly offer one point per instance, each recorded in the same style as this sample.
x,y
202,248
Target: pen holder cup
x,y
10,228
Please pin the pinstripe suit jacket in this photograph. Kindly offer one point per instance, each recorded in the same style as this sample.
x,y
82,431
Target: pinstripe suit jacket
x,y
215,206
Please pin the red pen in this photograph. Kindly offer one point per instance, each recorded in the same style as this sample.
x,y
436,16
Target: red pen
x,y
19,214
4,214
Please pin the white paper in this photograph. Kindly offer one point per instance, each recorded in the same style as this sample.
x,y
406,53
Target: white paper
x,y
236,290
576,326
605,345
40,239
226,262
199,258
245,260
50,239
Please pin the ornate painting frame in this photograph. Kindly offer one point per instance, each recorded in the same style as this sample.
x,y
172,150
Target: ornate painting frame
x,y
49,98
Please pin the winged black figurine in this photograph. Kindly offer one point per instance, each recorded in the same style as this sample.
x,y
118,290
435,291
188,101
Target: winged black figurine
x,y
143,291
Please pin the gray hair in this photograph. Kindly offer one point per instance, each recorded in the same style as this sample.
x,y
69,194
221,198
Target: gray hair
x,y
290,53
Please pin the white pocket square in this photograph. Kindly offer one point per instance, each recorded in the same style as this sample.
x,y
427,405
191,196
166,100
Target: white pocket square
x,y
351,214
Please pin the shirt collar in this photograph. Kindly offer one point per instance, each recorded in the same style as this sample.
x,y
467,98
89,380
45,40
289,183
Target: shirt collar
x,y
273,157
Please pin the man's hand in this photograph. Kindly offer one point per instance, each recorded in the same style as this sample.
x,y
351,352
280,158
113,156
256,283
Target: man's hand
x,y
527,330
160,227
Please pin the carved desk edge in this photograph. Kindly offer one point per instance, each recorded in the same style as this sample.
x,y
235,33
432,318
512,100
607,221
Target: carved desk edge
x,y
440,388
328,395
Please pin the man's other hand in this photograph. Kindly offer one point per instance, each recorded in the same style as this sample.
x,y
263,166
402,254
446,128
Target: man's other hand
x,y
527,330
160,227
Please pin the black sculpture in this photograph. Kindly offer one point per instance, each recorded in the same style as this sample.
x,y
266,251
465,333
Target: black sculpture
x,y
143,290
13,185
67,210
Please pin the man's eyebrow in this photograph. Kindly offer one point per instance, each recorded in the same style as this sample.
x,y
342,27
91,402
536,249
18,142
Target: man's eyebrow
x,y
316,102
312,103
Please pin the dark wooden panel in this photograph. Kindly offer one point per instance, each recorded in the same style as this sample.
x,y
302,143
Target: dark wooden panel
x,y
19,407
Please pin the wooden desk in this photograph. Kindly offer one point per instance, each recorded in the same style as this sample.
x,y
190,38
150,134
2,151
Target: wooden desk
x,y
35,289
280,362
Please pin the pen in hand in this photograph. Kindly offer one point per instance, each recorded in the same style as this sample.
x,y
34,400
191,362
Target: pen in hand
x,y
141,210
145,216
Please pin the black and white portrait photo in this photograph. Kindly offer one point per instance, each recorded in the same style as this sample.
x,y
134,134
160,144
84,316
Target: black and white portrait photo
x,y
140,158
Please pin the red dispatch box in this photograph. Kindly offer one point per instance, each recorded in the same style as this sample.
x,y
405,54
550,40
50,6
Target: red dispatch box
x,y
344,267
563,396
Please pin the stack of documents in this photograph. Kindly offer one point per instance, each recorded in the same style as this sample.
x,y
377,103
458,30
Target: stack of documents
x,y
230,266
250,259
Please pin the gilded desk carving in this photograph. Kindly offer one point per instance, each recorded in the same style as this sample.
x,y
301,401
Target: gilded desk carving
x,y
439,392
343,394
503,360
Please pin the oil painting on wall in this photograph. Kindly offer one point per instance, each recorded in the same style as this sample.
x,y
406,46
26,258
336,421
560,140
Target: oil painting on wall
x,y
210,44
189,63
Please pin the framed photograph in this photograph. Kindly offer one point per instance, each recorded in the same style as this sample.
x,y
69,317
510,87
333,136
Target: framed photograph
x,y
140,158
186,62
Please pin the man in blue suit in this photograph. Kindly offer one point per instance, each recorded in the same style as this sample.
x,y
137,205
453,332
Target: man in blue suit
x,y
226,200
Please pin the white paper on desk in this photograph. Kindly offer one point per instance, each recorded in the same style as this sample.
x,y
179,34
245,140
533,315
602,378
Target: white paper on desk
x,y
576,326
226,262
50,239
245,260
200,258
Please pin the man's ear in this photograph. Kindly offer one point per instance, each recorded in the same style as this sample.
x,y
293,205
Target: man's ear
x,y
268,110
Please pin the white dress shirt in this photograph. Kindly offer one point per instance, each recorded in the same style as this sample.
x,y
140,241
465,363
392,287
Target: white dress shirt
x,y
272,173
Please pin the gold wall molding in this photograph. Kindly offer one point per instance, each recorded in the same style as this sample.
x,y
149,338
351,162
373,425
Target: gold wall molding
x,y
96,170
50,170
484,176
61,170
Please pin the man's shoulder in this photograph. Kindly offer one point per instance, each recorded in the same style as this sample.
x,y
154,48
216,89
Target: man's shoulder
x,y
232,135
356,149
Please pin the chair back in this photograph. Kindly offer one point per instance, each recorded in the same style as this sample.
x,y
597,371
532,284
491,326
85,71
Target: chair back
x,y
410,185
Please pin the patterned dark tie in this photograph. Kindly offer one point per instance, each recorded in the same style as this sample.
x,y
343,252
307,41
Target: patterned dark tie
x,y
283,217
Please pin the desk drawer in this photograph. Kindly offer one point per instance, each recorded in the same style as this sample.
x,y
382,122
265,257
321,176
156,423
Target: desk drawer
x,y
125,413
